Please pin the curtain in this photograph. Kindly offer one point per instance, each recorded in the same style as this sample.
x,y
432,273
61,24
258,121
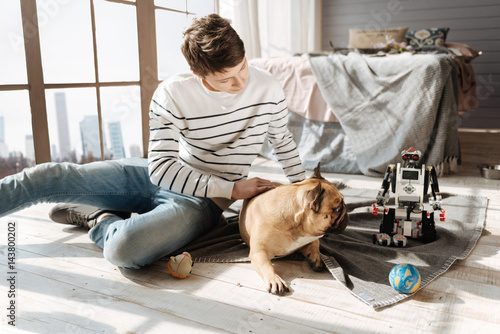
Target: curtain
x,y
246,23
274,28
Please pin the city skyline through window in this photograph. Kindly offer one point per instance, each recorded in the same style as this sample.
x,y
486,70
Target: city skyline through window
x,y
93,82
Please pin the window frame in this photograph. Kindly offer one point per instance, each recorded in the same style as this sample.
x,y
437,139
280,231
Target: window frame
x,y
148,71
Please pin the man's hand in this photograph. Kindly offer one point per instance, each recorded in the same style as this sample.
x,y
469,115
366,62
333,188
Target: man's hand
x,y
251,187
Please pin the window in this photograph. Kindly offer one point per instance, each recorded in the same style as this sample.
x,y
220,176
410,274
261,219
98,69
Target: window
x,y
170,22
80,89
16,147
12,57
66,42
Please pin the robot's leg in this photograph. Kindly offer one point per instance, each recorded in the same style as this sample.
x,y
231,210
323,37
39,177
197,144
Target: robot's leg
x,y
382,239
428,227
387,225
399,240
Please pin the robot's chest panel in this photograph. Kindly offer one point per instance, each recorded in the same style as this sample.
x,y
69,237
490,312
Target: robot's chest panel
x,y
409,188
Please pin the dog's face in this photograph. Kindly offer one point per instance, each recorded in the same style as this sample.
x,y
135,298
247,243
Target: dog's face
x,y
324,208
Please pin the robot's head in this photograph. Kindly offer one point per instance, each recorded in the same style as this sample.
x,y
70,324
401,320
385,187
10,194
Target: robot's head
x,y
410,157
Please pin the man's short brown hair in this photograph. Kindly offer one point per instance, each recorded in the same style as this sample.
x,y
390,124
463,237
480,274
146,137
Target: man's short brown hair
x,y
211,45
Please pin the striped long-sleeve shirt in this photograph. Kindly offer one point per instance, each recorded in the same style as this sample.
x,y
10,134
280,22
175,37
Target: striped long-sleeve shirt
x,y
202,142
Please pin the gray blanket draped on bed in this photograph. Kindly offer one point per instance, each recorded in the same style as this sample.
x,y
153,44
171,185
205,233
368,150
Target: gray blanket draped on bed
x,y
388,104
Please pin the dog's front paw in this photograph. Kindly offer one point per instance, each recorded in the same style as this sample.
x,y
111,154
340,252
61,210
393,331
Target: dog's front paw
x,y
313,256
316,264
277,285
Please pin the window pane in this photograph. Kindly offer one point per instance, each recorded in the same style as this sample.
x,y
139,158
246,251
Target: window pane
x,y
201,7
172,4
121,114
117,47
12,56
169,28
73,125
66,41
16,135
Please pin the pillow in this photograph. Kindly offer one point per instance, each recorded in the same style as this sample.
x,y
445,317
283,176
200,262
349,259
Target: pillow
x,y
364,39
464,50
426,37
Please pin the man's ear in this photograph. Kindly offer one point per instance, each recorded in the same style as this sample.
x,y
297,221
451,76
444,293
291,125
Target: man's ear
x,y
198,75
205,82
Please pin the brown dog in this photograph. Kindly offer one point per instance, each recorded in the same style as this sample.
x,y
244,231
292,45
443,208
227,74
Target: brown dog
x,y
288,218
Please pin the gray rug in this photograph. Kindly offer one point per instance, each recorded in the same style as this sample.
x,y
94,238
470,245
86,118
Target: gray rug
x,y
351,257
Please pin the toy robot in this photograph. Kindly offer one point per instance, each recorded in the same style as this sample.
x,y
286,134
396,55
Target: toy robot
x,y
408,217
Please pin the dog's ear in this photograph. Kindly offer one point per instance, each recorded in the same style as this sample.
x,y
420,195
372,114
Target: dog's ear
x,y
312,200
314,197
317,173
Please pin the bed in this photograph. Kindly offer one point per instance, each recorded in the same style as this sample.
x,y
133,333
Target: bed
x,y
355,111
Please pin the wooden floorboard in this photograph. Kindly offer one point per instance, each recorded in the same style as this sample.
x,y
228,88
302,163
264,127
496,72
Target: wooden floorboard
x,y
64,285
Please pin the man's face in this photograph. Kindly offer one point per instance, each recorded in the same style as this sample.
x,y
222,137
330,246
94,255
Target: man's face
x,y
232,80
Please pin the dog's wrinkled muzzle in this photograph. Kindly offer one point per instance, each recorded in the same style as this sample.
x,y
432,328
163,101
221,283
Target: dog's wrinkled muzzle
x,y
340,223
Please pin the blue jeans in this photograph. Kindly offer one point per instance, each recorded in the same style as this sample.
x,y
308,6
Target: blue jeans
x,y
166,222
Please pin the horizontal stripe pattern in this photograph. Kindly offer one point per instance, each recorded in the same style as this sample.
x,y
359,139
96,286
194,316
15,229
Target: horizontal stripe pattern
x,y
201,142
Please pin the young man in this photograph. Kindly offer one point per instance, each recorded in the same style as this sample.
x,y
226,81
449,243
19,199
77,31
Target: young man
x,y
206,129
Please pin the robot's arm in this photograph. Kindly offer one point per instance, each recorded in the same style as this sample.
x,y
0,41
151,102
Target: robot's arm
x,y
431,179
426,180
389,177
393,179
386,182
434,183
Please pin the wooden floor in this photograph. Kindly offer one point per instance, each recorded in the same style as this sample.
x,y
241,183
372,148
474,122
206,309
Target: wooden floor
x,y
63,285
